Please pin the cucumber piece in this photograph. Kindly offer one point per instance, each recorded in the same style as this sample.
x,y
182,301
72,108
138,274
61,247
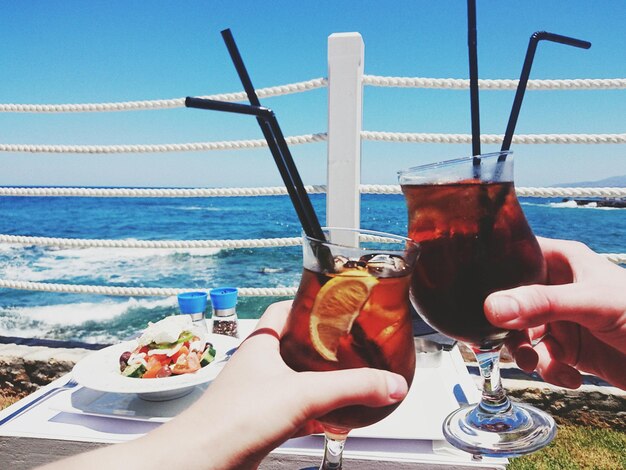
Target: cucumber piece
x,y
207,356
134,370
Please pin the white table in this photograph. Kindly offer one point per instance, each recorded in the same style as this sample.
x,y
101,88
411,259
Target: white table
x,y
80,419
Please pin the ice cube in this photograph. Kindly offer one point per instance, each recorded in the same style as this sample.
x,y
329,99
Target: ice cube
x,y
385,265
339,263
343,264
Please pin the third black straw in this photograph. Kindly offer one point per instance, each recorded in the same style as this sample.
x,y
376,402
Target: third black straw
x,y
472,44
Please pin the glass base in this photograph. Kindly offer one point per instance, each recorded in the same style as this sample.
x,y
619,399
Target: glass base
x,y
520,430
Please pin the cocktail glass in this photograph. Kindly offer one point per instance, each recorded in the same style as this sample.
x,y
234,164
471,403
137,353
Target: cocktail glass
x,y
475,240
352,313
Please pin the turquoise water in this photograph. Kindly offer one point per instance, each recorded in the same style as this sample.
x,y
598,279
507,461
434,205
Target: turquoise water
x,y
103,319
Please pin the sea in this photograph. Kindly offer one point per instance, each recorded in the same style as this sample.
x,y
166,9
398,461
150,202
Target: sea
x,y
102,319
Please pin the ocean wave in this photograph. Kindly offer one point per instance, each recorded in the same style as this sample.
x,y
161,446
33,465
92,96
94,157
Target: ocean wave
x,y
200,208
574,205
79,313
92,322
108,264
101,254
271,270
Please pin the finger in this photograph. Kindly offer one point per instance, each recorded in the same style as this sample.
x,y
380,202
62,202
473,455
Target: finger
x,y
270,326
310,427
519,345
531,306
559,269
275,315
322,392
551,369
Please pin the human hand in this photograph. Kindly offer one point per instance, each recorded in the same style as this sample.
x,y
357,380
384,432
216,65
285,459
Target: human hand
x,y
257,402
575,323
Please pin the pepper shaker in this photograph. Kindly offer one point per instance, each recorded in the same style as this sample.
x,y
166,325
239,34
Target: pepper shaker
x,y
225,322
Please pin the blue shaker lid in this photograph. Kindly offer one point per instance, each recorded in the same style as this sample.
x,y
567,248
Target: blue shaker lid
x,y
224,298
192,302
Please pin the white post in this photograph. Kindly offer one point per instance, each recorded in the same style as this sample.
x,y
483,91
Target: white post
x,y
346,55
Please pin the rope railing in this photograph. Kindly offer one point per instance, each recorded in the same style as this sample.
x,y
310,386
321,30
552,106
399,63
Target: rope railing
x,y
136,291
547,192
160,104
159,148
369,80
299,87
153,192
377,136
165,244
429,138
169,244
501,84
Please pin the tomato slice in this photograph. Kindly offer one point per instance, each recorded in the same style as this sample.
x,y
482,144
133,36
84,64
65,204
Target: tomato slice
x,y
184,350
186,365
162,359
152,372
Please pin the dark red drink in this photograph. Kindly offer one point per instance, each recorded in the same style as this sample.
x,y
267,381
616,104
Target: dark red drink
x,y
474,240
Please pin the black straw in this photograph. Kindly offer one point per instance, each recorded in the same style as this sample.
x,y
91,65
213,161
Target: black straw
x,y
278,146
472,44
523,80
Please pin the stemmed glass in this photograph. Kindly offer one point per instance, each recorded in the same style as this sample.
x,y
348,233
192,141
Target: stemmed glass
x,y
475,240
352,312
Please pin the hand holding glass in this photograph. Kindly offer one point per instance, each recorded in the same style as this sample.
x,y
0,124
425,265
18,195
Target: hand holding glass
x,y
475,240
353,314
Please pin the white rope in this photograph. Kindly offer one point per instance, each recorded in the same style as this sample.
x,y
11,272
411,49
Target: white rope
x,y
176,244
167,244
571,192
461,84
154,192
160,104
521,191
617,258
422,138
279,191
136,291
372,80
158,148
401,137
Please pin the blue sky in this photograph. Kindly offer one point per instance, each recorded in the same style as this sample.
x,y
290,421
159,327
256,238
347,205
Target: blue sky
x,y
75,52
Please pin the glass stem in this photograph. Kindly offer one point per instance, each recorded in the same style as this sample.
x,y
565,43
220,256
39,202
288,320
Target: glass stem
x,y
333,452
494,399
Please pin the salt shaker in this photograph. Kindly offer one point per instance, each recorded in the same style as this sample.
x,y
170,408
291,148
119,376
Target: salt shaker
x,y
194,304
224,300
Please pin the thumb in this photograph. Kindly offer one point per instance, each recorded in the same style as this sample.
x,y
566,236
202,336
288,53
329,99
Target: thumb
x,y
326,391
536,305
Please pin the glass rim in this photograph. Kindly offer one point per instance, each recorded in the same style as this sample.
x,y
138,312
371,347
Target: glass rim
x,y
454,161
393,238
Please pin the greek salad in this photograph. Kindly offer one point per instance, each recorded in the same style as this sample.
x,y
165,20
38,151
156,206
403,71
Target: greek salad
x,y
167,347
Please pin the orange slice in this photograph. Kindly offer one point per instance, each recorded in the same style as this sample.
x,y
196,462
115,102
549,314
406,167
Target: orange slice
x,y
336,306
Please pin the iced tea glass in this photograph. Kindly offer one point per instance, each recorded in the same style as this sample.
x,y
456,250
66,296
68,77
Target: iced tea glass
x,y
475,240
352,310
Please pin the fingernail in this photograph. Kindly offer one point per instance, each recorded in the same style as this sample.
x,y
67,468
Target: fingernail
x,y
396,387
503,307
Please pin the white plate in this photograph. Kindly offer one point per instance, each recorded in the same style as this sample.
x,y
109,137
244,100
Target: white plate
x,y
101,371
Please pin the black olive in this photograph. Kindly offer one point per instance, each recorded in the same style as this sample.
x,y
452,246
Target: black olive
x,y
124,360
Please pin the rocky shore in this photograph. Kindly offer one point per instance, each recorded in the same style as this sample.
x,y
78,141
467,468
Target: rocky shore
x,y
23,369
